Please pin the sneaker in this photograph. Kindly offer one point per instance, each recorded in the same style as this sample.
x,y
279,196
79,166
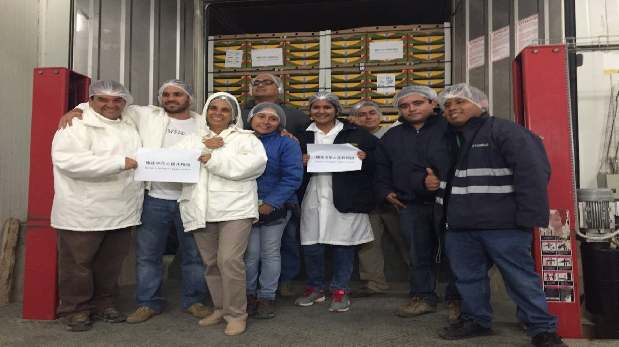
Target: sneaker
x,y
547,339
235,327
464,329
340,302
286,290
110,315
78,321
453,311
415,307
214,318
310,296
199,310
142,314
265,309
252,305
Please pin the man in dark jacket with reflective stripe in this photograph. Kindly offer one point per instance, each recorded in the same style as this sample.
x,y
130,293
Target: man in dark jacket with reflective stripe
x,y
407,155
495,197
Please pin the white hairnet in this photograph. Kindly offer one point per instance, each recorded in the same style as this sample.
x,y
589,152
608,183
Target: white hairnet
x,y
231,100
264,107
464,91
182,85
363,103
330,97
424,91
110,88
277,80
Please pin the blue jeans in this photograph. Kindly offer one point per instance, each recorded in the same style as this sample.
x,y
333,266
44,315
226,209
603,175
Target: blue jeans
x,y
343,258
291,250
419,234
158,216
473,252
263,260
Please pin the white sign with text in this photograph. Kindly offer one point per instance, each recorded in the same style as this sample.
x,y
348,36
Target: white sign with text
x,y
333,158
168,165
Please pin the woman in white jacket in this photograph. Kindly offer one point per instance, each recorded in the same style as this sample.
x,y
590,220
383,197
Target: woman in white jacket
x,y
96,202
222,206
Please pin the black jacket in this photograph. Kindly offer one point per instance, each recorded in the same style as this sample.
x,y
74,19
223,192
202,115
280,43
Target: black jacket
x,y
500,178
403,155
296,120
352,190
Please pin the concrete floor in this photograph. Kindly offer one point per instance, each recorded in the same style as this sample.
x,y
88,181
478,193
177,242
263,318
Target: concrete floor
x,y
370,322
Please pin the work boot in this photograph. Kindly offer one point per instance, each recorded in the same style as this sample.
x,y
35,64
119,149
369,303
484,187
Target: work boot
x,y
415,307
453,311
198,310
464,329
142,314
365,291
235,327
265,309
547,339
310,296
340,302
286,290
252,305
214,318
110,315
78,321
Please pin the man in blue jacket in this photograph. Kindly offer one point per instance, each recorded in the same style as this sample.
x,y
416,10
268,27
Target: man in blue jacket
x,y
411,157
494,197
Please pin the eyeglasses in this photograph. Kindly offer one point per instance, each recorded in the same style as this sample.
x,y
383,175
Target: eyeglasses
x,y
256,83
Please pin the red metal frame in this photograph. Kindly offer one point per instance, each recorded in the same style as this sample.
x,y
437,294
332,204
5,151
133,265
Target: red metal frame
x,y
542,104
54,91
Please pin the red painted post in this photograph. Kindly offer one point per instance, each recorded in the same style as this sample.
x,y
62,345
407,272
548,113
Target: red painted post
x,y
542,98
54,90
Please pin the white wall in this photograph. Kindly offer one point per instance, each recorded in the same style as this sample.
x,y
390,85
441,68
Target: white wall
x,y
593,18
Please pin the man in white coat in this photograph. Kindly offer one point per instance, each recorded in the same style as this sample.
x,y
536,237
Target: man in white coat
x,y
96,204
163,127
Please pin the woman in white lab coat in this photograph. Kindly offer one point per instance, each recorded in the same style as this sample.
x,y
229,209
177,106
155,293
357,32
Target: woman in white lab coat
x,y
335,206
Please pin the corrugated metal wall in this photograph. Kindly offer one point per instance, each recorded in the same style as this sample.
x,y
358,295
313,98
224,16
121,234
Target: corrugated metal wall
x,y
477,18
138,42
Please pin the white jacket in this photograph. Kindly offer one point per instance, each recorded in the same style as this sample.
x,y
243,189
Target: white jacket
x,y
227,188
152,123
92,191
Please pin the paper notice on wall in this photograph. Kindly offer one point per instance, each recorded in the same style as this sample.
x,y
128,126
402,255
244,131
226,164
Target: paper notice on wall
x,y
476,52
611,62
500,44
267,57
385,83
528,32
234,58
386,50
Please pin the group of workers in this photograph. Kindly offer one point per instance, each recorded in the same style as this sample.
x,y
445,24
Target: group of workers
x,y
446,181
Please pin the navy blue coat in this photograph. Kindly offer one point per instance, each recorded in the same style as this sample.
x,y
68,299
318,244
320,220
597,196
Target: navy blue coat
x,y
500,178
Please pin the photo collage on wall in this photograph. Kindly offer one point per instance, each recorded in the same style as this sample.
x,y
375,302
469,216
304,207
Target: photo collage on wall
x,y
557,267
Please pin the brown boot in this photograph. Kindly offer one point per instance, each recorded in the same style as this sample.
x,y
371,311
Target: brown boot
x,y
235,327
142,314
214,318
453,311
415,307
199,310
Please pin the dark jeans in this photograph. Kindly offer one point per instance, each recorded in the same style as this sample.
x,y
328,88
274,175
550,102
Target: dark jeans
x,y
89,266
290,250
158,216
343,258
473,252
419,234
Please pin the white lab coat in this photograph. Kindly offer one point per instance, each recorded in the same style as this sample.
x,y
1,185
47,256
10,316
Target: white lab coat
x,y
93,192
321,222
